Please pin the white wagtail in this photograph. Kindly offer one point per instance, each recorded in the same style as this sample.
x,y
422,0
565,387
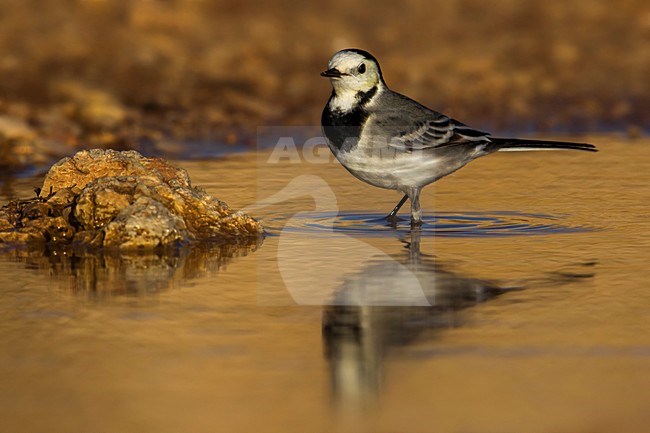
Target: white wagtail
x,y
390,141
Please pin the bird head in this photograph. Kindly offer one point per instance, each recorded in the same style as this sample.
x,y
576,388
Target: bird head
x,y
353,71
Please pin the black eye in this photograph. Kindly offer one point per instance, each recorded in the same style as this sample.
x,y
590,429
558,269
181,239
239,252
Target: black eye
x,y
362,68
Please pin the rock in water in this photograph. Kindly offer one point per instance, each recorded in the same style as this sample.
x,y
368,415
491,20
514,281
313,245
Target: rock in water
x,y
146,224
122,200
85,166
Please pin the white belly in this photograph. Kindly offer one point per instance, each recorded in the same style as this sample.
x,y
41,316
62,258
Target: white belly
x,y
393,171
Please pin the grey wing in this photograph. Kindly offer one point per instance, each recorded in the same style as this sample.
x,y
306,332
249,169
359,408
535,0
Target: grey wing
x,y
425,130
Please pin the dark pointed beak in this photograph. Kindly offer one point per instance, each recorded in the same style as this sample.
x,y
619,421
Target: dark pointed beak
x,y
332,73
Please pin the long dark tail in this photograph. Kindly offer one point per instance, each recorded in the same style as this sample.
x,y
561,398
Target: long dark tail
x,y
519,144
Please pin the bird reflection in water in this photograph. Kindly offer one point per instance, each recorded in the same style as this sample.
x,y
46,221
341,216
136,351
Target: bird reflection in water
x,y
358,336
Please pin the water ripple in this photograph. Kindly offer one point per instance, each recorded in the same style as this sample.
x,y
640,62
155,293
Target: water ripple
x,y
451,224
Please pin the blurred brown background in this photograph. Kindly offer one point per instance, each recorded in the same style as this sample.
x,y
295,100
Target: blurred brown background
x,y
128,74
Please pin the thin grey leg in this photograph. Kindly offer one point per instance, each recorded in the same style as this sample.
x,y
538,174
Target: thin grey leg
x,y
392,216
416,213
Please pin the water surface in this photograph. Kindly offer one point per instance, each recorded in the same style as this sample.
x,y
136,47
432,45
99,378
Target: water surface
x,y
521,305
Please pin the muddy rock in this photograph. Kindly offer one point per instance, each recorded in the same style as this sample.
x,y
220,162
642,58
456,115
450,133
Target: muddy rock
x,y
104,198
146,224
121,200
34,221
77,171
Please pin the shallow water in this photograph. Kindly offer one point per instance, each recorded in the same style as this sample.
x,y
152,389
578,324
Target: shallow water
x,y
521,305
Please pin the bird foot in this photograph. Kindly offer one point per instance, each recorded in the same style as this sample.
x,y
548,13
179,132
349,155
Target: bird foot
x,y
392,220
392,217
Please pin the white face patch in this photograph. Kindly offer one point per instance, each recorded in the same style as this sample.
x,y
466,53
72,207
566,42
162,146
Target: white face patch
x,y
355,78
